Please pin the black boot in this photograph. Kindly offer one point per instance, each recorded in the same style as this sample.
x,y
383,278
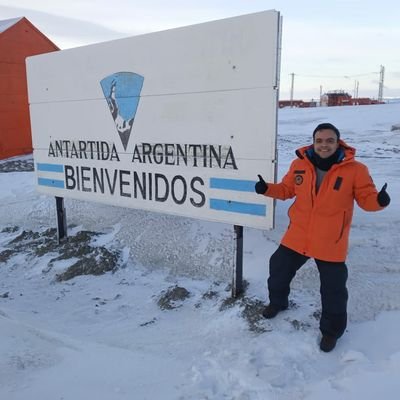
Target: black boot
x,y
271,311
328,343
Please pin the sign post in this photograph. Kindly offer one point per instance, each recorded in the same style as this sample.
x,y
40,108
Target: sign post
x,y
61,219
237,279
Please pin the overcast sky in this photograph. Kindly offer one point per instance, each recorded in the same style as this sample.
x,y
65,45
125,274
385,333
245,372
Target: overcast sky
x,y
330,44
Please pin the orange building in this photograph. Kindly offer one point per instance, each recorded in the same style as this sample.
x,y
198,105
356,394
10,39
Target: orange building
x,y
18,40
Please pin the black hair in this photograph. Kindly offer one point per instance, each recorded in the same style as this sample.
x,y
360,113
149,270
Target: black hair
x,y
326,125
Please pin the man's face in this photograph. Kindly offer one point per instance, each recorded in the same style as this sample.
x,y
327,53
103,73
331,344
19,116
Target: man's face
x,y
325,143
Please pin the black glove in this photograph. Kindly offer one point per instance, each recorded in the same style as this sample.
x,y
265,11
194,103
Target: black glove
x,y
260,187
383,197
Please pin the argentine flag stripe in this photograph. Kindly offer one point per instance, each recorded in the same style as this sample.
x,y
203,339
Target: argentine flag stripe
x,y
238,207
50,167
232,184
51,182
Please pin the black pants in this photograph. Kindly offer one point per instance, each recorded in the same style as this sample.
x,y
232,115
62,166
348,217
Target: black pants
x,y
284,264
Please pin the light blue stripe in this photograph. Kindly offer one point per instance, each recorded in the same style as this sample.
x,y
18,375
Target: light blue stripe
x,y
50,167
238,207
232,184
51,182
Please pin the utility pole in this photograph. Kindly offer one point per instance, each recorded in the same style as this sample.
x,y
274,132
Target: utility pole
x,y
320,95
291,90
381,79
356,84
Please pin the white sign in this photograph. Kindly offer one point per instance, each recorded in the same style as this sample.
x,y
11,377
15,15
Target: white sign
x,y
179,122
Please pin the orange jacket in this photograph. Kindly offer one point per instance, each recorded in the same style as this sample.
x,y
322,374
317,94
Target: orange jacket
x,y
320,222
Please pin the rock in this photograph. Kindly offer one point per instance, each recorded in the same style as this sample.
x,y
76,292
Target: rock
x,y
168,299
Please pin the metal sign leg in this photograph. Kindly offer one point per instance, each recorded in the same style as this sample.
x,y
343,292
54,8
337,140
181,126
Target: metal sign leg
x,y
237,279
61,219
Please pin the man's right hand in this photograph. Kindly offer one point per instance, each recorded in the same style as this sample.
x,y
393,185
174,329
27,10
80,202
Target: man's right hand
x,y
261,186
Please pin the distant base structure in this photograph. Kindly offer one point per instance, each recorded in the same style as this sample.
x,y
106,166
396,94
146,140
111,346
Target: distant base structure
x,y
298,103
330,99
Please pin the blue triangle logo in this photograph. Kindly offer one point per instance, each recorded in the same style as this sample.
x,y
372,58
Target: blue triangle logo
x,y
122,92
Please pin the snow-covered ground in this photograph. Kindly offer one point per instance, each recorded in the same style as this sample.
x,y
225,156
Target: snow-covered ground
x,y
122,336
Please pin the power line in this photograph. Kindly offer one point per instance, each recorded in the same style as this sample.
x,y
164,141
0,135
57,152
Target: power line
x,y
337,76
356,82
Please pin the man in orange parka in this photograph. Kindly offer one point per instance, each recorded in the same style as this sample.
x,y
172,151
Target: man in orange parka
x,y
325,179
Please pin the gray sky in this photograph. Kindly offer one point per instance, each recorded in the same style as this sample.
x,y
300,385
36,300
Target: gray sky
x,y
328,43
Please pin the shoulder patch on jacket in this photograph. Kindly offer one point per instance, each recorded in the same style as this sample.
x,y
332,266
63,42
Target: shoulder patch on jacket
x,y
298,179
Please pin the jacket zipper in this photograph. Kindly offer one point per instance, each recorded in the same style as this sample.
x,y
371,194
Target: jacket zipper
x,y
312,198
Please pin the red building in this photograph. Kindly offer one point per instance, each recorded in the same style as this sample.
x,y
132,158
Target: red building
x,y
297,103
336,98
341,98
18,40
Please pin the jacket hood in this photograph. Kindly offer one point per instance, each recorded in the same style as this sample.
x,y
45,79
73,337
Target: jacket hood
x,y
348,151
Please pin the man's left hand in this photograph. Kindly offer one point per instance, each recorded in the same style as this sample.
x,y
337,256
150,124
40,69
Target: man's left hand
x,y
383,197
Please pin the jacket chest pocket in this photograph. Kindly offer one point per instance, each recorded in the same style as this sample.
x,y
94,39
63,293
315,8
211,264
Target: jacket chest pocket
x,y
338,183
338,193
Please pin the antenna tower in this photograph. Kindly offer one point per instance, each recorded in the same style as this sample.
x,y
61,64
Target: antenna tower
x,y
291,90
381,79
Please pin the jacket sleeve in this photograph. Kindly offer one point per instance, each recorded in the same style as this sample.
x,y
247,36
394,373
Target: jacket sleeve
x,y
283,190
365,191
